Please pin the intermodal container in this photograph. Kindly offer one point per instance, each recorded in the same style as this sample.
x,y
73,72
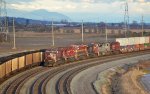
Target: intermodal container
x,y
136,40
146,45
146,39
142,40
122,41
131,41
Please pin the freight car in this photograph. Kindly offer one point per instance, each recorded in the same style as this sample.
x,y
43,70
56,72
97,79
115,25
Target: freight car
x,y
19,61
133,44
77,52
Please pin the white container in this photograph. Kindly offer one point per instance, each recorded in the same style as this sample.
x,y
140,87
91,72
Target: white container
x,y
142,40
147,40
131,41
126,41
122,41
119,40
136,40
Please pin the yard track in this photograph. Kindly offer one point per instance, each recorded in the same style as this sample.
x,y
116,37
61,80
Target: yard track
x,y
39,85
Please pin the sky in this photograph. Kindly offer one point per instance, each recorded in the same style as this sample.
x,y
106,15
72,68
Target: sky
x,y
88,10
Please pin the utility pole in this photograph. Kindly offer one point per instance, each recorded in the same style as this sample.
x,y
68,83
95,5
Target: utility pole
x,y
53,39
7,28
14,32
82,32
142,26
126,20
106,32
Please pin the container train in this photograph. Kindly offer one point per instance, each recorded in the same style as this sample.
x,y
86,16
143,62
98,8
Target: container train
x,y
76,52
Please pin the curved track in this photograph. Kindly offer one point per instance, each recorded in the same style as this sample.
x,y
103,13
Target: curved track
x,y
37,80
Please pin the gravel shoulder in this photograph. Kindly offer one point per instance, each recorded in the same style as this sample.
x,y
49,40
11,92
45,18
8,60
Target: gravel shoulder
x,y
83,82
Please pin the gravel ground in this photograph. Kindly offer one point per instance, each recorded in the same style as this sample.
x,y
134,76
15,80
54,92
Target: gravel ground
x,y
82,83
15,77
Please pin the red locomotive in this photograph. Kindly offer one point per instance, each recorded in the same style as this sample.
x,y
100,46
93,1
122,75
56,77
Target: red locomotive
x,y
76,52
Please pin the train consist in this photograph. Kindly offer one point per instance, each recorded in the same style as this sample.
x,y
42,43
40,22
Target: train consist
x,y
75,52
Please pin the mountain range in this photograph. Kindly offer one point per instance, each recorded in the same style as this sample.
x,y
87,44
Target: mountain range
x,y
41,14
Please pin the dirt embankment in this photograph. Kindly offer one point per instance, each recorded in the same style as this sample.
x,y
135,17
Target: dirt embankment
x,y
126,80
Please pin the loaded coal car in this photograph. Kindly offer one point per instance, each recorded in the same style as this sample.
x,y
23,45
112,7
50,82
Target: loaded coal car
x,y
81,51
93,49
104,48
115,47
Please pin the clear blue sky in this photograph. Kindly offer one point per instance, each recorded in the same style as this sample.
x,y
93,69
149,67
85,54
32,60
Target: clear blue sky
x,y
88,10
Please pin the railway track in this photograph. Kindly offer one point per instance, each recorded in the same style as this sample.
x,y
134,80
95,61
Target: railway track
x,y
63,84
15,85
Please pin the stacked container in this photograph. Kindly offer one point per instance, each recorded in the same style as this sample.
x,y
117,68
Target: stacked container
x,y
123,44
147,44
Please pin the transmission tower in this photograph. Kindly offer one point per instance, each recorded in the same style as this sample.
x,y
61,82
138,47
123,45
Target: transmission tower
x,y
126,20
3,16
3,19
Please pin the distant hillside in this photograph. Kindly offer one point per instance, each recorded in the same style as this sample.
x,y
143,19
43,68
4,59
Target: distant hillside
x,y
38,15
